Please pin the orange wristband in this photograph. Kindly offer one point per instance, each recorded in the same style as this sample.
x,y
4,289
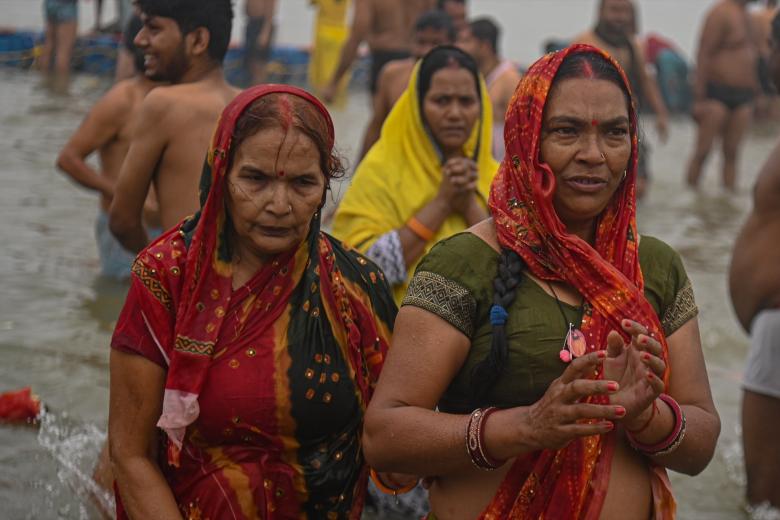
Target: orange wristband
x,y
384,488
420,229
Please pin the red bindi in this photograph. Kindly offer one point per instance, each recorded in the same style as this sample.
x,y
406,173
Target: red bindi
x,y
594,122
281,173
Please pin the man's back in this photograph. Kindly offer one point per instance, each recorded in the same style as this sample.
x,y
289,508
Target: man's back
x,y
191,112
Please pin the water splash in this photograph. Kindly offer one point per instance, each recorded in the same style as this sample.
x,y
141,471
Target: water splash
x,y
75,448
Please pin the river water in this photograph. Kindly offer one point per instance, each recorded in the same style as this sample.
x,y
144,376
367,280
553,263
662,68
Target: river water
x,y
56,314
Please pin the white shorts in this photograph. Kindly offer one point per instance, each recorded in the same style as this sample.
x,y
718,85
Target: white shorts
x,y
762,372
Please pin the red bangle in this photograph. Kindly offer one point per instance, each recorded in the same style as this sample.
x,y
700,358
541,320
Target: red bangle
x,y
384,488
647,423
475,440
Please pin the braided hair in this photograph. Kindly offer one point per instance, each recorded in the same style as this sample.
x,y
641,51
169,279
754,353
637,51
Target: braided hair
x,y
487,372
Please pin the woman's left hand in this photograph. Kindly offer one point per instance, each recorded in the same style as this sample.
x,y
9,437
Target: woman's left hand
x,y
638,367
398,480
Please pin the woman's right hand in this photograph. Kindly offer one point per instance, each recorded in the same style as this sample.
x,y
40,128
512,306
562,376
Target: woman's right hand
x,y
560,417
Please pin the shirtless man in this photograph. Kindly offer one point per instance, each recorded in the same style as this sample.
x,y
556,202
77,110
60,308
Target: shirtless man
x,y
754,281
767,102
184,42
457,11
108,129
480,39
725,87
615,32
432,29
258,37
386,25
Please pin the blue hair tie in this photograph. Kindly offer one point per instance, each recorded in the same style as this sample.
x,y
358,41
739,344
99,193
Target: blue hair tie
x,y
498,315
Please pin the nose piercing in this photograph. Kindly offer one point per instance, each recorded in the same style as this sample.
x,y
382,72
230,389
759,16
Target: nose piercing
x,y
603,156
289,208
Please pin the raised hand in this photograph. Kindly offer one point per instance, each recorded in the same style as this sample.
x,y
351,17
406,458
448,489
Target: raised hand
x,y
638,367
559,417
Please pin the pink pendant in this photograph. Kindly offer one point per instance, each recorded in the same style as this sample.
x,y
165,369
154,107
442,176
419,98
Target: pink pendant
x,y
575,340
565,355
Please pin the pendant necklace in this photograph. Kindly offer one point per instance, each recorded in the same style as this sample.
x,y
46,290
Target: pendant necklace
x,y
574,345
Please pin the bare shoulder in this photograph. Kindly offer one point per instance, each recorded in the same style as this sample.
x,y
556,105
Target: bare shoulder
x,y
397,68
587,37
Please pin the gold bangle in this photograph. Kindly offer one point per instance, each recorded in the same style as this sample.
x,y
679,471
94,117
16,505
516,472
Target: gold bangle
x,y
420,229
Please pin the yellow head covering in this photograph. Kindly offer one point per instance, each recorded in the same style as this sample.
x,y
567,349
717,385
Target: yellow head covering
x,y
401,173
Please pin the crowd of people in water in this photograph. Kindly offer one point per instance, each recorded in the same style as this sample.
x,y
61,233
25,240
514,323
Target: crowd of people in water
x,y
482,331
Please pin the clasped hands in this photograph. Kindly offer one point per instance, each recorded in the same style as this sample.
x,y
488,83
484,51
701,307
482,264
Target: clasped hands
x,y
632,380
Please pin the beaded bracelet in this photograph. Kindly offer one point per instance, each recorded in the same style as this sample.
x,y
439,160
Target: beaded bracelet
x,y
420,229
475,440
671,442
384,488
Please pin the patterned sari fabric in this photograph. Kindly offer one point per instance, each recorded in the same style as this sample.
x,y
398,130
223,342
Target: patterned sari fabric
x,y
571,482
266,384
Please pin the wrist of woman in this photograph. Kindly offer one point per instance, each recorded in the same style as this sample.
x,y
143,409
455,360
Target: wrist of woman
x,y
639,423
507,434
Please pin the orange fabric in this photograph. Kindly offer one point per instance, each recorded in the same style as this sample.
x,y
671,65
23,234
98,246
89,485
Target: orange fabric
x,y
571,482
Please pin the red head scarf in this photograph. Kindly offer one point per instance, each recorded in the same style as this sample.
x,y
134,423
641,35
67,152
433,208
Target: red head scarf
x,y
571,482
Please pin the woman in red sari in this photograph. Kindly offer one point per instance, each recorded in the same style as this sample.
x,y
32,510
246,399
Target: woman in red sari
x,y
249,337
560,349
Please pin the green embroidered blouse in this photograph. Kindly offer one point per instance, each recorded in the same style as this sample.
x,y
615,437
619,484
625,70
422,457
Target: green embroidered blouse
x,y
455,282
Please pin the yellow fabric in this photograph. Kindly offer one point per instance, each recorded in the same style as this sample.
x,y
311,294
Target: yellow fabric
x,y
401,173
330,33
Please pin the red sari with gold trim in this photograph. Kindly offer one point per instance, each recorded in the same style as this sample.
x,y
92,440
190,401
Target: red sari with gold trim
x,y
267,384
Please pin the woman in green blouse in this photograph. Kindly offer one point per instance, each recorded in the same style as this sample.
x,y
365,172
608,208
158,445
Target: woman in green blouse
x,y
547,362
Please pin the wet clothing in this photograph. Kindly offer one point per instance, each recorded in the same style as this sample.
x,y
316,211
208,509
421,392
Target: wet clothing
x,y
571,482
61,11
330,33
762,370
266,384
731,97
379,58
453,283
115,260
399,175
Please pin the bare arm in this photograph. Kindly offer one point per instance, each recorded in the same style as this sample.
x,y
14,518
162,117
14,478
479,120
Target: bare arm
x,y
361,24
382,106
99,127
403,433
137,386
146,149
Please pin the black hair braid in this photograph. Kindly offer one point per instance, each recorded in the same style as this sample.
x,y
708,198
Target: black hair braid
x,y
487,372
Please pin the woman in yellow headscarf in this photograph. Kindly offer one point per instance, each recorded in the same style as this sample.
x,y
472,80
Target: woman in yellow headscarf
x,y
429,174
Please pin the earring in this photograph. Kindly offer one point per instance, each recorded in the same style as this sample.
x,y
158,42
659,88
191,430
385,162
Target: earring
x,y
625,172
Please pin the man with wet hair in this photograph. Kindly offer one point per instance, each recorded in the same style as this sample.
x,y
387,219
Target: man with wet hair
x,y
615,32
726,85
386,25
480,39
184,43
754,281
432,29
108,129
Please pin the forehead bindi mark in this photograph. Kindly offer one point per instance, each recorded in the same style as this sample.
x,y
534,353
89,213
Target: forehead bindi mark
x,y
594,122
280,173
